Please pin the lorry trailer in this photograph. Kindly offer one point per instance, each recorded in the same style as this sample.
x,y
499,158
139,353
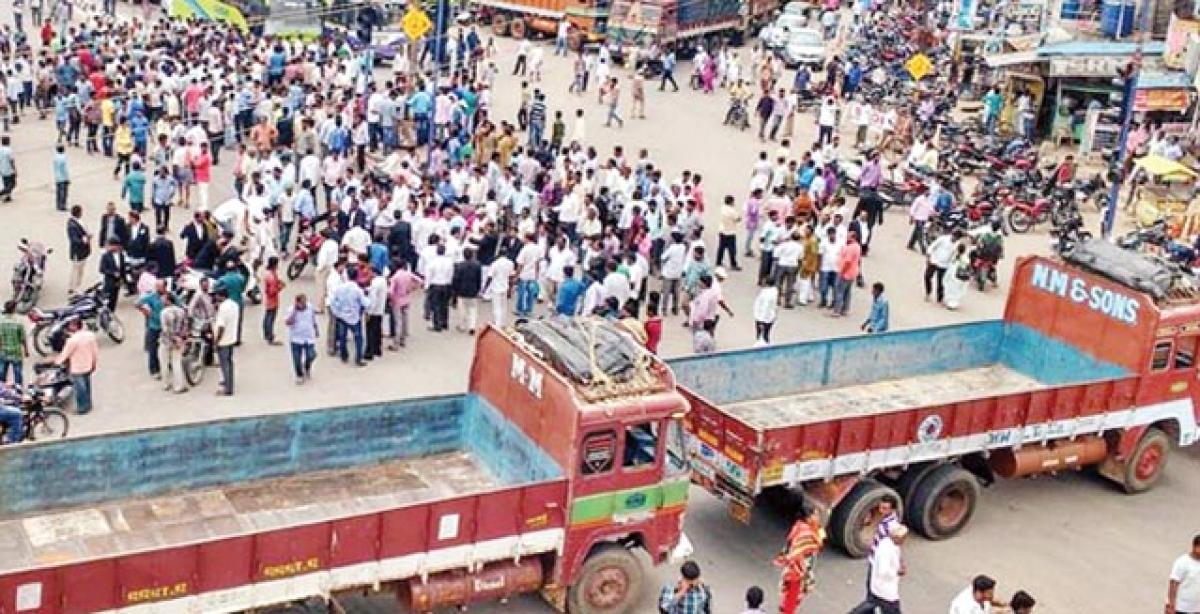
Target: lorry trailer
x,y
531,481
1082,371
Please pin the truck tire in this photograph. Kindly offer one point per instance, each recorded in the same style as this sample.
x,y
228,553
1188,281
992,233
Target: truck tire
x,y
1146,464
518,28
609,582
906,486
500,25
943,502
850,525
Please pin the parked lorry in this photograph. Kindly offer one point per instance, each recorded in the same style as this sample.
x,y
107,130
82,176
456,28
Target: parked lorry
x,y
532,481
1082,371
521,18
683,24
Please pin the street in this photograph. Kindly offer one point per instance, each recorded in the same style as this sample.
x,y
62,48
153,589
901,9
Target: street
x,y
1073,540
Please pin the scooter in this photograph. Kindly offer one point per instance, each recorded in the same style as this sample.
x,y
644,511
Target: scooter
x,y
28,274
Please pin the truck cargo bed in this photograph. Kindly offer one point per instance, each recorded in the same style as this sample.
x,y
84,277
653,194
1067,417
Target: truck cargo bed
x,y
127,526
881,397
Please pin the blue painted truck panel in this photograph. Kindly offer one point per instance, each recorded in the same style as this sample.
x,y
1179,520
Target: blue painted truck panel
x,y
795,368
82,471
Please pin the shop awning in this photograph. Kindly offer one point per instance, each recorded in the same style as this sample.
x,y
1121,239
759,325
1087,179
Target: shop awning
x,y
1163,168
1012,58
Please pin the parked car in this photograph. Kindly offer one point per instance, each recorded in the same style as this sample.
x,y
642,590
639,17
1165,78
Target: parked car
x,y
775,36
805,46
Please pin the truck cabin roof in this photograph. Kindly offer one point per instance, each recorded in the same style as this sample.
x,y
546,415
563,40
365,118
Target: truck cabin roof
x,y
600,359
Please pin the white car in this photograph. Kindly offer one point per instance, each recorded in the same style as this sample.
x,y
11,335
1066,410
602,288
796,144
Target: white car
x,y
805,46
776,35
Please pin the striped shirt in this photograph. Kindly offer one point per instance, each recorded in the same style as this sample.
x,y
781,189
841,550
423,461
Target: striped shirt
x,y
881,531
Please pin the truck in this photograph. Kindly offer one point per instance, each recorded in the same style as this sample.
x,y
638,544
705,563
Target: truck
x,y
536,479
1086,369
683,24
521,18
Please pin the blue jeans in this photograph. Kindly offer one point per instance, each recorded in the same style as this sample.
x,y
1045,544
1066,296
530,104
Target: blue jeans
x,y
303,357
825,283
340,332
989,123
841,295
82,382
17,369
151,347
527,291
535,134
14,423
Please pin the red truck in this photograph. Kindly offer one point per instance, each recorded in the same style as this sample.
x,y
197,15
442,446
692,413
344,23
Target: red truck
x,y
532,481
682,24
1082,371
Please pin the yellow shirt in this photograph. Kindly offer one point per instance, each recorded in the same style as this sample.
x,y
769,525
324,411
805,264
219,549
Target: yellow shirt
x,y
123,140
108,112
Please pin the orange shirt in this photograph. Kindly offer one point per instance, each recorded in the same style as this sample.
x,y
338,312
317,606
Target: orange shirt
x,y
81,352
849,260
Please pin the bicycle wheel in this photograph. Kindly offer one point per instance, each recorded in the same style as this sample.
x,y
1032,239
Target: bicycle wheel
x,y
50,424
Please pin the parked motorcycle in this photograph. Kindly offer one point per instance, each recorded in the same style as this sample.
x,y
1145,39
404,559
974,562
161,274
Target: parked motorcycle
x,y
50,325
28,274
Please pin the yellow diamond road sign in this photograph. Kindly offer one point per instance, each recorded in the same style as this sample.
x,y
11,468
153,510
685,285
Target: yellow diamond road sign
x,y
918,66
416,24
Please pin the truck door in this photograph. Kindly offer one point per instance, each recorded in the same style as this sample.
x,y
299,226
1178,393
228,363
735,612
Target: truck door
x,y
1172,370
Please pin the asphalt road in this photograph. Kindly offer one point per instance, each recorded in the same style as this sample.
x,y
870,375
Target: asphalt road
x,y
1072,540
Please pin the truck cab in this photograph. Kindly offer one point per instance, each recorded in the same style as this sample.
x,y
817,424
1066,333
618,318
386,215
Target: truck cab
x,y
617,436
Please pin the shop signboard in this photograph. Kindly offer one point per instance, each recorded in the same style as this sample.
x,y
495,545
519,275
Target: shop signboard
x,y
1161,100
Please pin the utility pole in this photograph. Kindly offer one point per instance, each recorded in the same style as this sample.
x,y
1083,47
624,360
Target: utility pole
x,y
439,45
1129,77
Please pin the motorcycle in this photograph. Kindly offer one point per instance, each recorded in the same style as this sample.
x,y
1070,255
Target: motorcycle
x,y
28,274
42,403
197,351
50,325
305,252
738,116
1025,214
1069,235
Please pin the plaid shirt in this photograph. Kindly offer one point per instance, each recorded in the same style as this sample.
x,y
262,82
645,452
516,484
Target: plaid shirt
x,y
12,339
695,601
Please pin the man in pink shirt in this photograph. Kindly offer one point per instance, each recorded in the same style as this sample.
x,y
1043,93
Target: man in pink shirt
x,y
80,354
919,212
704,306
400,288
849,262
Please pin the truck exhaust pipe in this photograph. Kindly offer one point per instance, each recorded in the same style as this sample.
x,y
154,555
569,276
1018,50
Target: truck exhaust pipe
x,y
1054,456
457,588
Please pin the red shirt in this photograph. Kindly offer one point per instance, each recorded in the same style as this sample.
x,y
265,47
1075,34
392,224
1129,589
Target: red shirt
x,y
653,333
272,287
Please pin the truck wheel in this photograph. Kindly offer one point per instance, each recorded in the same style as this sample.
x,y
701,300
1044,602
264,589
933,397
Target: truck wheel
x,y
1147,462
610,582
518,28
850,527
943,502
500,25
906,486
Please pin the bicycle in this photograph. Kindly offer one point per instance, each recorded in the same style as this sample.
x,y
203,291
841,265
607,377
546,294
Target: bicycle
x,y
41,424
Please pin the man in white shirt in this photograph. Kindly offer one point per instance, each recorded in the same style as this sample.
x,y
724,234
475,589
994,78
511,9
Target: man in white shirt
x,y
883,585
529,262
787,259
496,287
674,259
1183,591
616,284
438,274
225,329
976,598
